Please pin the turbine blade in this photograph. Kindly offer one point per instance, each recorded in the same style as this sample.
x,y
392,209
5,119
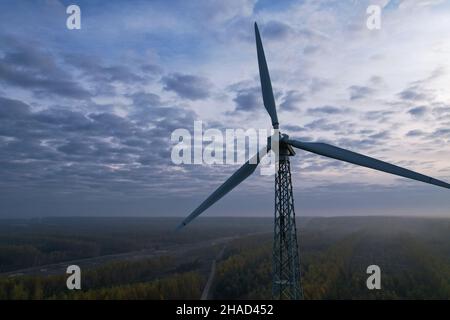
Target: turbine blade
x,y
240,175
266,85
361,160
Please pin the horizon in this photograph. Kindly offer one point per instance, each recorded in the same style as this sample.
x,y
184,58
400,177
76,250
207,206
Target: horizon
x,y
222,217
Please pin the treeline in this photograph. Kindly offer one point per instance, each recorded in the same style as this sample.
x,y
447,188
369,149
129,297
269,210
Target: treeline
x,y
187,285
413,254
411,268
36,242
146,279
246,270
46,252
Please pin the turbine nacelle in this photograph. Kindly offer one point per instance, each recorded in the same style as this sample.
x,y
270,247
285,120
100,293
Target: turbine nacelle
x,y
285,148
284,138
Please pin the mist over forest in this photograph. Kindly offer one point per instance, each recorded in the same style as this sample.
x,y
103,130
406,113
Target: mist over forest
x,y
144,258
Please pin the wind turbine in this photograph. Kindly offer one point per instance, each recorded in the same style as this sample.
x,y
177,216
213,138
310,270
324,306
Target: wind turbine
x,y
286,267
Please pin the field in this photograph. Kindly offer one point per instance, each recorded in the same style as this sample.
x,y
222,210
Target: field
x,y
144,258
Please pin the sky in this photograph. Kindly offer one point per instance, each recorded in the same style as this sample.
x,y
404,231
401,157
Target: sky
x,y
86,115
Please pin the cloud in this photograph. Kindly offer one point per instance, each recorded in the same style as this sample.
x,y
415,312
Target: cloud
x,y
276,30
187,86
143,102
441,112
414,93
379,115
95,149
441,133
415,133
312,49
318,84
247,98
328,110
294,128
95,71
322,124
24,66
419,90
380,135
408,4
358,144
152,69
359,92
376,80
418,111
291,100
13,109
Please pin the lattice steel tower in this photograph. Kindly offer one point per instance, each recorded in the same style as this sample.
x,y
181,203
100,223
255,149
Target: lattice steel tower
x,y
286,266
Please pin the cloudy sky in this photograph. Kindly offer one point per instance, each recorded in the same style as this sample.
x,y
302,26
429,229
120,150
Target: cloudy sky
x,y
86,115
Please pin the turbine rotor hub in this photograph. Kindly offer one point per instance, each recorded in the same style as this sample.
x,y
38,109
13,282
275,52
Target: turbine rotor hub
x,y
285,148
284,138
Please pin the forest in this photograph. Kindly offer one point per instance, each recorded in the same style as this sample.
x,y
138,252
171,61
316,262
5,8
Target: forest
x,y
412,253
